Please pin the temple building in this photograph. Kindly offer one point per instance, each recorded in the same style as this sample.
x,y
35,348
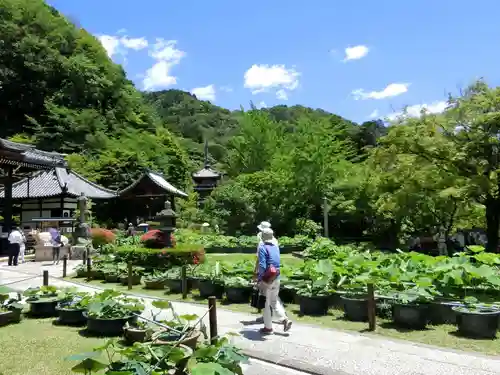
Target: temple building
x,y
53,194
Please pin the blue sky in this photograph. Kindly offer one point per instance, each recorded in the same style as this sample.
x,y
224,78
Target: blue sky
x,y
403,53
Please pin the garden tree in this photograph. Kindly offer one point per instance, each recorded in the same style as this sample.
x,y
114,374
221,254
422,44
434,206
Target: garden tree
x,y
281,175
413,196
462,141
256,143
60,91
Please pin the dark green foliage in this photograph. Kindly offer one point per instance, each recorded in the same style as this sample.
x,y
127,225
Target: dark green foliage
x,y
60,91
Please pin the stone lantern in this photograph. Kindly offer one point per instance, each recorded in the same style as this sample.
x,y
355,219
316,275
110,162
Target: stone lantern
x,y
166,217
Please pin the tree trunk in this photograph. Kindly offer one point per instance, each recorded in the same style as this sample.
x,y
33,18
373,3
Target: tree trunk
x,y
492,223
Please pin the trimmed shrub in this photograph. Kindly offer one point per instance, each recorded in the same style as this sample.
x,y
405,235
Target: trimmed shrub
x,y
102,237
155,239
160,258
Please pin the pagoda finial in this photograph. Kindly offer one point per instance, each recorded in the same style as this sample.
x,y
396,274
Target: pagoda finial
x,y
206,163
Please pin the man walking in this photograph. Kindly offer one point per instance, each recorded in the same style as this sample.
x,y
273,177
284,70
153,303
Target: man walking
x,y
269,281
16,238
55,239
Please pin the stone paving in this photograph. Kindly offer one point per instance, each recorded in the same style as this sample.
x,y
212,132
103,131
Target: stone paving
x,y
306,348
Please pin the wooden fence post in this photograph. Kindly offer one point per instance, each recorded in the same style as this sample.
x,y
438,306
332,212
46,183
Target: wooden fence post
x,y
45,278
212,316
184,282
89,268
129,267
65,265
372,322
84,257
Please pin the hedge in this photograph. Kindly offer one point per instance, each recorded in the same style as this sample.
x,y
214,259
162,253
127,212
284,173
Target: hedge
x,y
160,258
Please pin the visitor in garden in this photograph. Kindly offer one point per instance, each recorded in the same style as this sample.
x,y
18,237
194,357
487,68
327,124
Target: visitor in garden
x,y
22,245
264,225
16,238
269,281
56,241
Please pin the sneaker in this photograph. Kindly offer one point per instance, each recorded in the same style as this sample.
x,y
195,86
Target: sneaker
x,y
266,331
287,324
260,319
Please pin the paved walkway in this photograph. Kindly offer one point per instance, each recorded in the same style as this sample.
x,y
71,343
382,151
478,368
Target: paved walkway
x,y
307,348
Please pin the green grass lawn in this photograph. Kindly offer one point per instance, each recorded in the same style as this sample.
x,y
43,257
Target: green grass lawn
x,y
37,347
442,335
5,289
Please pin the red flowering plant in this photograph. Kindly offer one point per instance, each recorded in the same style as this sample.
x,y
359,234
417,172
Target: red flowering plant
x,y
102,237
155,239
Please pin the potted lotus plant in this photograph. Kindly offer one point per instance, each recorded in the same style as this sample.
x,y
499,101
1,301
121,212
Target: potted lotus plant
x,y
10,309
156,280
209,281
43,300
72,307
477,320
108,311
184,329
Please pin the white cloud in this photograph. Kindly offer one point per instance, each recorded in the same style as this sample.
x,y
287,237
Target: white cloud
x,y
226,88
118,45
374,114
356,52
262,105
205,93
393,89
416,110
167,56
281,94
110,44
134,43
263,78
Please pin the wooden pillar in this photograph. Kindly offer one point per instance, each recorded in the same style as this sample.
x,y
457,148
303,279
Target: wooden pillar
x,y
7,209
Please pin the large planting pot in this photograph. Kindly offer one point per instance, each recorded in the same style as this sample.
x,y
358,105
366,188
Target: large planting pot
x,y
133,334
136,280
107,327
313,305
154,284
208,288
410,316
175,286
71,316
81,272
97,274
442,312
170,338
111,277
238,294
44,308
355,309
481,323
5,317
287,295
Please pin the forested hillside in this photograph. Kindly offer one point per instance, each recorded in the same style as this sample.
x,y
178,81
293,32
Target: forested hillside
x,y
60,91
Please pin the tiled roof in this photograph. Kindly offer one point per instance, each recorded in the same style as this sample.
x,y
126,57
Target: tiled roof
x,y
206,172
54,182
28,155
159,181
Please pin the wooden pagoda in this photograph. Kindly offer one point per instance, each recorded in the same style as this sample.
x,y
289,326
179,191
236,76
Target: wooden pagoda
x,y
206,179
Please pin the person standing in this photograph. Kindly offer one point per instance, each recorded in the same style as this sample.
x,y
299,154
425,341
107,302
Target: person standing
x,y
16,238
22,246
268,279
55,237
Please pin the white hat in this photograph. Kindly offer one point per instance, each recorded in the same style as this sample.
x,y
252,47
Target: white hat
x,y
264,225
267,234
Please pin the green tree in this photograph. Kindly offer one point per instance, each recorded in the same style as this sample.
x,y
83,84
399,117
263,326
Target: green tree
x,y
463,141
